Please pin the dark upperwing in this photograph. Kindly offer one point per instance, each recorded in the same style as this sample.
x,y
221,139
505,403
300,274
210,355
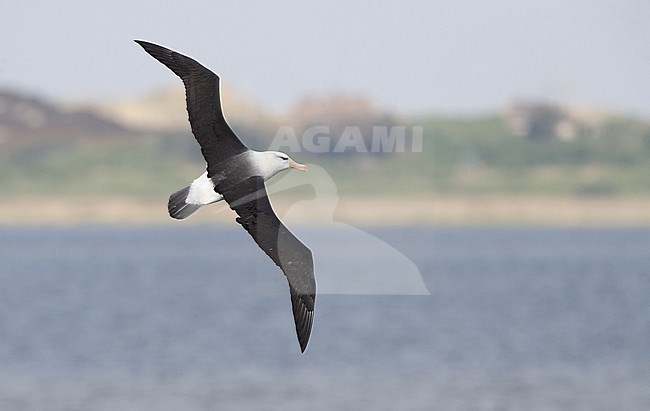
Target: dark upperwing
x,y
251,202
217,140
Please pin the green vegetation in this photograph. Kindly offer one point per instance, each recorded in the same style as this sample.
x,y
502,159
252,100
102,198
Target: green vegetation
x,y
460,156
482,156
142,166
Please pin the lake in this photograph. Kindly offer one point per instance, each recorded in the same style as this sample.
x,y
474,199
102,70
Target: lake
x,y
187,317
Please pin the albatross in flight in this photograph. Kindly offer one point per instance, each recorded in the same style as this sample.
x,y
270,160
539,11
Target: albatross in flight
x,y
237,174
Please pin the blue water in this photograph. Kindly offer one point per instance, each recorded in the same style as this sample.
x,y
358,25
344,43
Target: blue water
x,y
183,318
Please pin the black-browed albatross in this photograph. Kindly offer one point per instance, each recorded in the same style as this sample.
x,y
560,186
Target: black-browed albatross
x,y
237,174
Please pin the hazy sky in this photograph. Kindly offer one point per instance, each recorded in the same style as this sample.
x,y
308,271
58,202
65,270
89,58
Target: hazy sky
x,y
413,56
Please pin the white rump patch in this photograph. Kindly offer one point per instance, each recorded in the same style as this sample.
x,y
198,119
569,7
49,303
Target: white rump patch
x,y
202,191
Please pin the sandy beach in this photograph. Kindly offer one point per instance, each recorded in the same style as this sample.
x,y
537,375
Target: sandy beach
x,y
424,210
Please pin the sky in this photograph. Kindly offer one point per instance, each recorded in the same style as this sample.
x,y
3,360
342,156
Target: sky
x,y
413,57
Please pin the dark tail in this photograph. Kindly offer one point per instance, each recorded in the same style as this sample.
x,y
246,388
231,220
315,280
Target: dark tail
x,y
177,206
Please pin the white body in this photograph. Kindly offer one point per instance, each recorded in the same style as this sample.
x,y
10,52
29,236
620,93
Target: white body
x,y
265,164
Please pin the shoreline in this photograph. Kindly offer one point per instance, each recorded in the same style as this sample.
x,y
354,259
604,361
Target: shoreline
x,y
363,211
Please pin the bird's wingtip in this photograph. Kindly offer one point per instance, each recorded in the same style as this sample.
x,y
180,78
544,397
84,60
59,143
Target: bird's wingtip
x,y
303,346
304,342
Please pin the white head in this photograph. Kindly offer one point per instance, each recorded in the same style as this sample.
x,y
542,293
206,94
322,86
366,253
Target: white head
x,y
272,162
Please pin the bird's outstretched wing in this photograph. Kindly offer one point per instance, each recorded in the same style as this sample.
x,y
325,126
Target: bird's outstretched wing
x,y
251,202
217,140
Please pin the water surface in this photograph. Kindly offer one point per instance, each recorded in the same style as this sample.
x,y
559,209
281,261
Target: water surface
x,y
183,317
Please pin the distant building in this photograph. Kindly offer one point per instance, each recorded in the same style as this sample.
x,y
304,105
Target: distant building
x,y
338,112
541,121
